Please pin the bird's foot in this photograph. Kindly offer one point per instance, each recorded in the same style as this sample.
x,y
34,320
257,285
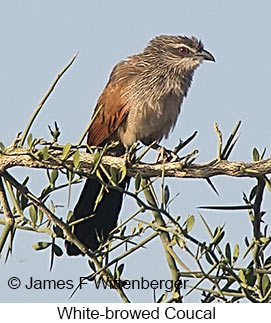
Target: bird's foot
x,y
166,155
130,154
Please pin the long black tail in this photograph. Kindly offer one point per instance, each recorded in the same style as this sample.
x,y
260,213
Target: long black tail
x,y
104,218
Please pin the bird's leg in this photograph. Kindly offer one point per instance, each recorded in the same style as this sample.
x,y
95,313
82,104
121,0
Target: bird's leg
x,y
130,153
164,154
172,155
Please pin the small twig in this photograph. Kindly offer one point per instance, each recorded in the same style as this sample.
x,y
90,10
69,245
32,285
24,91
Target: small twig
x,y
165,237
219,148
44,99
28,228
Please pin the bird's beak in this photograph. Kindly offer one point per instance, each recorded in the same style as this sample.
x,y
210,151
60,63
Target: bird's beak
x,y
207,55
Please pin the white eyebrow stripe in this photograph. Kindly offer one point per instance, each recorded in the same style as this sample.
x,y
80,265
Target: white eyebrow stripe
x,y
183,45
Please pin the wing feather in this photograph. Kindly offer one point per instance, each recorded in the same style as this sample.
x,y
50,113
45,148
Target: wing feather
x,y
113,103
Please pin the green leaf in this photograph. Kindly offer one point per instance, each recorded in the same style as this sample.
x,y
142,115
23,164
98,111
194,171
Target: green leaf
x,y
267,263
40,216
24,202
265,284
140,227
235,253
180,242
76,159
218,235
246,241
255,154
122,173
66,150
33,214
39,155
70,217
45,153
2,147
119,271
166,195
228,253
242,276
29,140
55,133
70,176
208,258
190,223
40,245
46,191
251,277
53,177
57,250
221,236
92,265
96,160
58,231
137,182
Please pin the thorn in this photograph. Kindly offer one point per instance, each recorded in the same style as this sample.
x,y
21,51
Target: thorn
x,y
212,185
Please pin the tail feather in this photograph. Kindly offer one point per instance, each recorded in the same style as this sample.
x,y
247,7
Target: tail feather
x,y
104,217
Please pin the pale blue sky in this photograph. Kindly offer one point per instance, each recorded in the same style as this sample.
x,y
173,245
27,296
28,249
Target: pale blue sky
x,y
37,40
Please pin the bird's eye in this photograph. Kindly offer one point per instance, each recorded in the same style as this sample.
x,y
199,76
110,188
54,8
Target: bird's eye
x,y
184,50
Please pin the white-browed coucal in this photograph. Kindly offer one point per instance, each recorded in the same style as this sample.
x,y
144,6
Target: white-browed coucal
x,y
141,102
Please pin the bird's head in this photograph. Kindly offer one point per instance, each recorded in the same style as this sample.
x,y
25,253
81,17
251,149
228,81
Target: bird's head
x,y
180,53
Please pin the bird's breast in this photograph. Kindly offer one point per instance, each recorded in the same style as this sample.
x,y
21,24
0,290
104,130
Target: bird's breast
x,y
151,120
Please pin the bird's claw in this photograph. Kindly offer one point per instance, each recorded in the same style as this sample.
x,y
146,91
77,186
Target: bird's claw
x,y
166,155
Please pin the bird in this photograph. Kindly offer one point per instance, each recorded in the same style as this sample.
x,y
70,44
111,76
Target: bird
x,y
140,103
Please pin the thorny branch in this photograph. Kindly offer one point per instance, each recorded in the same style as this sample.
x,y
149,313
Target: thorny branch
x,y
21,157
